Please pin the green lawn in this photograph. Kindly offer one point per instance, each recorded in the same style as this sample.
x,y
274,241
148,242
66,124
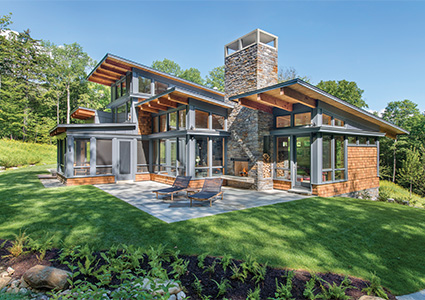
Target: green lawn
x,y
318,234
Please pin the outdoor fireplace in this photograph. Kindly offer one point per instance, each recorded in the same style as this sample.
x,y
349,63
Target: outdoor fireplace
x,y
240,166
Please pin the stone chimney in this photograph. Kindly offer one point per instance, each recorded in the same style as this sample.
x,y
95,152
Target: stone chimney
x,y
250,64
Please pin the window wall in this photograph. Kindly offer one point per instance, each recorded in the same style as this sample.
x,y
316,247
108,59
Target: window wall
x,y
283,158
142,156
209,156
329,120
333,158
169,156
293,120
175,120
202,120
103,157
81,157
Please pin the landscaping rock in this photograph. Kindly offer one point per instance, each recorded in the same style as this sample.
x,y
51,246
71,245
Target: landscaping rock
x,y
366,297
46,277
405,202
4,281
10,271
23,291
4,274
181,295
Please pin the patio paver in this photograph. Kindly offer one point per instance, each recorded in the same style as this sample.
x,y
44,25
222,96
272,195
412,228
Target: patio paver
x,y
415,296
139,195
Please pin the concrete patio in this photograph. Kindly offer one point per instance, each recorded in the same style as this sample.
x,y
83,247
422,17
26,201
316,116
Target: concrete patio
x,y
139,195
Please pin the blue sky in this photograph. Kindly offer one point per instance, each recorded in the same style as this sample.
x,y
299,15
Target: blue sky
x,y
378,44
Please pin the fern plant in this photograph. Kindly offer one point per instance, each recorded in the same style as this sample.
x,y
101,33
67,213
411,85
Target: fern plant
x,y
254,295
375,287
309,288
284,291
222,286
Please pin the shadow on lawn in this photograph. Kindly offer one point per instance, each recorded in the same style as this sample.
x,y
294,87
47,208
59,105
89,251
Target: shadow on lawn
x,y
319,234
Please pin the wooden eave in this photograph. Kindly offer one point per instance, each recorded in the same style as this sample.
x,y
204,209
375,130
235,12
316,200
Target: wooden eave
x,y
115,67
298,91
171,98
83,114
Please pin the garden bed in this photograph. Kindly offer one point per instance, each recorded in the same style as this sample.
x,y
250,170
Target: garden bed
x,y
199,276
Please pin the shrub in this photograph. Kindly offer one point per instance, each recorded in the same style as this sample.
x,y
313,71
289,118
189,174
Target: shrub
x,y
16,153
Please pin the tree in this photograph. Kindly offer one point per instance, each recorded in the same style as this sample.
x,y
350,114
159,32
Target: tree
x,y
192,74
167,66
290,73
344,90
400,112
412,170
71,63
215,78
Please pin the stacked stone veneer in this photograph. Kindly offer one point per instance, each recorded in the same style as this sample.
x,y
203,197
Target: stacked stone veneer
x,y
249,69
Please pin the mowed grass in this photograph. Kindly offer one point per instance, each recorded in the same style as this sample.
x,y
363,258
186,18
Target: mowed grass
x,y
341,235
17,153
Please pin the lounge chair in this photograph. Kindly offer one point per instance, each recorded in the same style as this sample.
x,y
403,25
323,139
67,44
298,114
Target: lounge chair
x,y
210,190
180,185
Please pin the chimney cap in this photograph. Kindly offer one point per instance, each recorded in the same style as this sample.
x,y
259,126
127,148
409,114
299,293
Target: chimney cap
x,y
256,36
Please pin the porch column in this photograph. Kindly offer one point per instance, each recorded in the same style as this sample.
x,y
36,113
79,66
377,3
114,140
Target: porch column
x,y
69,167
92,156
190,150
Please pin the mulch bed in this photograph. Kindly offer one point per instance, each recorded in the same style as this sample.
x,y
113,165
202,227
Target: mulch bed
x,y
238,289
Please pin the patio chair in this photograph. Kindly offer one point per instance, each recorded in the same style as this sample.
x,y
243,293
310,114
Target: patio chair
x,y
180,185
210,190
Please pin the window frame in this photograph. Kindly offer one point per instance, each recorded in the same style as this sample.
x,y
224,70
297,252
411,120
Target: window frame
x,y
333,168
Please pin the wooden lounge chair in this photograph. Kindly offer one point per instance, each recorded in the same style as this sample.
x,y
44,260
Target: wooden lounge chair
x,y
210,190
180,185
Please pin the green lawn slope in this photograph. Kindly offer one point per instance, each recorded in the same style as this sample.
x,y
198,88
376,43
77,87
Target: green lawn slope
x,y
17,153
341,235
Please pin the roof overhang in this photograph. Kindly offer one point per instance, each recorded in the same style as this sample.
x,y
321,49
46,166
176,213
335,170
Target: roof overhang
x,y
58,129
83,113
284,95
174,96
112,68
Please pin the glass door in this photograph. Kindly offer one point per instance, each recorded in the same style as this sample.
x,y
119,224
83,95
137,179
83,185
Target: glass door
x,y
303,159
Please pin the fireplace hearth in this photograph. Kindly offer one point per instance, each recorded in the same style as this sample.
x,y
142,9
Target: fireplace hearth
x,y
240,166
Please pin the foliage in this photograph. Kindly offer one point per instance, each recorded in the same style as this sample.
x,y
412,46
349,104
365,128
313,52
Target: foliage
x,y
16,153
167,66
375,287
387,190
197,285
254,295
334,290
413,169
284,291
289,73
41,244
310,288
215,78
201,260
225,261
18,245
344,90
238,273
222,286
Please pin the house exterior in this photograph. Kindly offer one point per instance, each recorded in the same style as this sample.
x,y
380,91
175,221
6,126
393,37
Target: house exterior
x,y
259,134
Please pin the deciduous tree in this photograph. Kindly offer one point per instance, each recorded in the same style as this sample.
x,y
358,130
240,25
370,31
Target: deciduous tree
x,y
344,90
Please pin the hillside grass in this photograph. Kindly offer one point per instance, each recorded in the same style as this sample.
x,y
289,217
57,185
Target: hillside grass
x,y
388,189
341,235
16,153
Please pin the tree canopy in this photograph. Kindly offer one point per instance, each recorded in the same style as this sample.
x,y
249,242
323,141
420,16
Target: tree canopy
x,y
344,90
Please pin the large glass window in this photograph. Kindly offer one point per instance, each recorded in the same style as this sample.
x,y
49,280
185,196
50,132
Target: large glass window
x,y
172,122
283,121
163,123
144,85
283,158
217,122
103,156
217,156
338,122
303,119
142,156
181,166
326,120
333,158
201,119
182,119
160,87
81,157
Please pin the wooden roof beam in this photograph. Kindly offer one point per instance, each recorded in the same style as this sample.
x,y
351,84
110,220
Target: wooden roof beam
x,y
153,104
167,102
273,101
255,105
97,79
177,99
117,64
115,68
112,75
145,107
298,97
105,77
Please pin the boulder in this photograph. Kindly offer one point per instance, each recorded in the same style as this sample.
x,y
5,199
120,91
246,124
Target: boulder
x,y
366,297
10,271
43,277
4,281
